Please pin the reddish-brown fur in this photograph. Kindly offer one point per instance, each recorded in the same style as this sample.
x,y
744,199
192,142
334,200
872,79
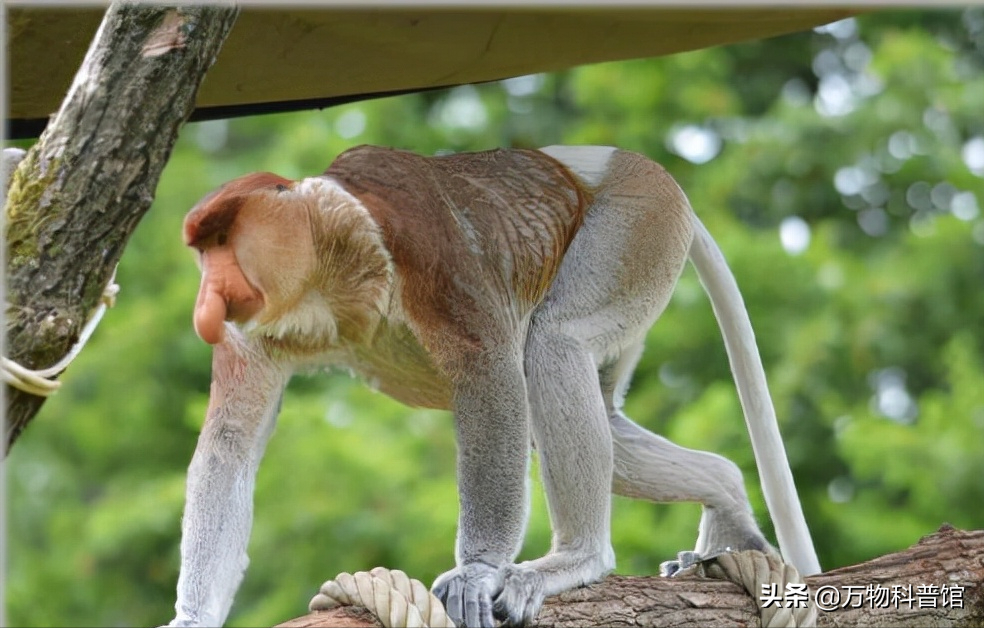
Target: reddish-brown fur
x,y
473,236
217,212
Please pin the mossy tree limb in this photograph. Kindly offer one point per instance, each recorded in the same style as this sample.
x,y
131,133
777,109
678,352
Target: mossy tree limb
x,y
79,193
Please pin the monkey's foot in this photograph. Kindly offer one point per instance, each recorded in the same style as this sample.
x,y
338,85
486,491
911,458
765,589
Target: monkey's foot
x,y
721,530
526,585
685,560
467,593
521,597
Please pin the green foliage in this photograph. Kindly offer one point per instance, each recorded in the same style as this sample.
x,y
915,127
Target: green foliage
x,y
867,136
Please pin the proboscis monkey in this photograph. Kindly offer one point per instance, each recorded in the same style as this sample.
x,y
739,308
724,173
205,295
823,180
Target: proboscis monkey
x,y
513,287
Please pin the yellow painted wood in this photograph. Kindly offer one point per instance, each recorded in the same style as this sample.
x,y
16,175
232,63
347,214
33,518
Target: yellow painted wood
x,y
276,55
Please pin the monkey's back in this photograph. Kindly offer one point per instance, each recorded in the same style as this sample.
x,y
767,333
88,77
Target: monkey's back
x,y
513,214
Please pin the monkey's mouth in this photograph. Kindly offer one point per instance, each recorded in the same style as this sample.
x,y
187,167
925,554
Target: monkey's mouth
x,y
244,310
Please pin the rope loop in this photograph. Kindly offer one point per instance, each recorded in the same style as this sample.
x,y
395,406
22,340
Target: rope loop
x,y
40,382
767,579
396,599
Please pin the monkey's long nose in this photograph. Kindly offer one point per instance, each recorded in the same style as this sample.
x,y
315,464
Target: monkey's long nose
x,y
210,313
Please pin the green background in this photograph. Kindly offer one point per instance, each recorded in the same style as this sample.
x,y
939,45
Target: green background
x,y
868,135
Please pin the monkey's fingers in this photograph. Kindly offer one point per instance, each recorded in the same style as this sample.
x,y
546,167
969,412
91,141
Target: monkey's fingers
x,y
468,592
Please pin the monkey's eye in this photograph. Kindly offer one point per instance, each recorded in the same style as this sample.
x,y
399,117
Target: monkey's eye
x,y
222,238
281,187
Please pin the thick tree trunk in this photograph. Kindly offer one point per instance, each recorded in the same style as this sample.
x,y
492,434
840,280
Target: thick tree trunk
x,y
949,560
78,195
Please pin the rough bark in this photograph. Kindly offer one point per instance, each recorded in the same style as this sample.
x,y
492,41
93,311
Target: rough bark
x,y
78,195
949,557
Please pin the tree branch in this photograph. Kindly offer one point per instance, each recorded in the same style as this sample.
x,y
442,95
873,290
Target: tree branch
x,y
79,193
949,557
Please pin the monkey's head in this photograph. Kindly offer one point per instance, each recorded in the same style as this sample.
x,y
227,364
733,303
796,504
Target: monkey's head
x,y
255,250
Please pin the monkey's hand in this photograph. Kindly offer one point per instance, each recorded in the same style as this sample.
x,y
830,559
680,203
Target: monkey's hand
x,y
477,594
467,593
521,597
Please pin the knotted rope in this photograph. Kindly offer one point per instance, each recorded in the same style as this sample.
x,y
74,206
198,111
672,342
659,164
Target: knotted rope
x,y
397,600
767,579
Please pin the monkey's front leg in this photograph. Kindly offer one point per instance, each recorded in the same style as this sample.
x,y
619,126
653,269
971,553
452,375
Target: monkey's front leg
x,y
245,398
492,423
573,442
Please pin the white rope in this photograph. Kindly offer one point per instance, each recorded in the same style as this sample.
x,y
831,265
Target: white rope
x,y
397,600
39,382
757,572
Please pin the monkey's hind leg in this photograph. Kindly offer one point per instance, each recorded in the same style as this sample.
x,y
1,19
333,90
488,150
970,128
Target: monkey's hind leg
x,y
650,467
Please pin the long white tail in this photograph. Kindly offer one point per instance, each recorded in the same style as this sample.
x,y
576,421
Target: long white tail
x,y
753,392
